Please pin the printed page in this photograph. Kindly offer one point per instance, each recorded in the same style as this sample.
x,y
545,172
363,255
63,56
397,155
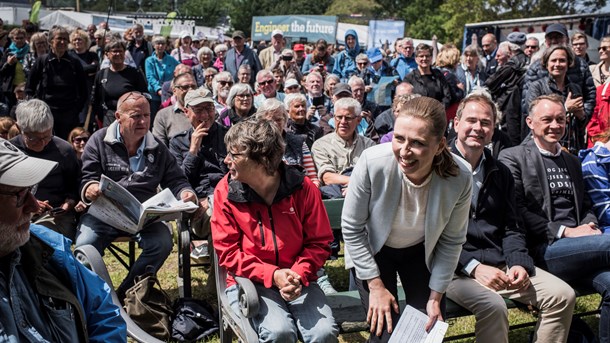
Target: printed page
x,y
122,200
163,207
411,328
105,210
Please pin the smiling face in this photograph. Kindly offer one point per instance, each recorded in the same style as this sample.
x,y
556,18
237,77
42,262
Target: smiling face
x,y
201,113
557,65
267,85
414,147
314,84
547,122
475,127
350,41
243,103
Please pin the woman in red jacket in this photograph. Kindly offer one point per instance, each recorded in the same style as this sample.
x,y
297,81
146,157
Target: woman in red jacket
x,y
269,225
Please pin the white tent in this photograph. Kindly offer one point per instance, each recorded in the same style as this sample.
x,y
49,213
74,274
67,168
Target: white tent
x,y
66,18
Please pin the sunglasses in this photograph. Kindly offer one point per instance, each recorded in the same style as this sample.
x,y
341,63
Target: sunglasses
x,y
186,87
224,83
264,83
80,139
603,48
531,46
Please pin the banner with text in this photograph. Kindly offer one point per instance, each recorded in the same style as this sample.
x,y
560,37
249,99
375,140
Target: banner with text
x,y
385,31
296,27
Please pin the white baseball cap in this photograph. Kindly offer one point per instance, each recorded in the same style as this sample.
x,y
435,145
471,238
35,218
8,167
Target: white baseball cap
x,y
20,170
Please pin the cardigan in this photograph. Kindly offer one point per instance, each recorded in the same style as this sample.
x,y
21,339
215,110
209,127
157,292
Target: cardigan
x,y
370,205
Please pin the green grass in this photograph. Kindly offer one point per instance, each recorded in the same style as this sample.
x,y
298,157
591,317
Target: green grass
x,y
339,278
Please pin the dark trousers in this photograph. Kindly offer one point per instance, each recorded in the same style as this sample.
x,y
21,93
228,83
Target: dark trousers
x,y
410,265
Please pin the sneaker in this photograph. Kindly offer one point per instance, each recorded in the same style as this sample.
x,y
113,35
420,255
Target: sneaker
x,y
325,285
200,253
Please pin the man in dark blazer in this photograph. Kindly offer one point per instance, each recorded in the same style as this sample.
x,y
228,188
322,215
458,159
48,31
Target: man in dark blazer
x,y
562,232
241,54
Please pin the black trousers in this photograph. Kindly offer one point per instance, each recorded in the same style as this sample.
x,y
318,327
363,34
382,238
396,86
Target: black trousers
x,y
410,264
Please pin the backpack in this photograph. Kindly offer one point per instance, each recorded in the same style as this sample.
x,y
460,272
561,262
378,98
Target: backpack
x,y
193,320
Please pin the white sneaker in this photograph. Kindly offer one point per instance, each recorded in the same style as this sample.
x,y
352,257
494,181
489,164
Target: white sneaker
x,y
324,283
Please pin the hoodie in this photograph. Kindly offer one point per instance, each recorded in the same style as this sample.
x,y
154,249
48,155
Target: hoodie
x,y
345,61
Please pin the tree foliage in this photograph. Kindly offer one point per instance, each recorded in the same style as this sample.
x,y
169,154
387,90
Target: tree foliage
x,y
423,18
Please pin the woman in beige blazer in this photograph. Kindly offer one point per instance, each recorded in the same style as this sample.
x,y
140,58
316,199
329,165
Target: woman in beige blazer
x,y
406,212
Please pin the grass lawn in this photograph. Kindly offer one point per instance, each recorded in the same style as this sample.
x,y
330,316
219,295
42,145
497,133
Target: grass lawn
x,y
339,276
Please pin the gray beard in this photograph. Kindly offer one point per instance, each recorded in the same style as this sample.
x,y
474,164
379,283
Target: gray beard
x,y
12,238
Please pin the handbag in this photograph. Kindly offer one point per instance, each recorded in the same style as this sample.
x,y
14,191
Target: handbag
x,y
149,306
193,320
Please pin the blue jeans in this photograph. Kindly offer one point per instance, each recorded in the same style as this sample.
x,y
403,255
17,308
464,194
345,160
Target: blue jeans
x,y
275,321
584,260
155,240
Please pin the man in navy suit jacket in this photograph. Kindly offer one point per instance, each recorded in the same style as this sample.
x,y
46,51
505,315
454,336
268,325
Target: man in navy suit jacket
x,y
240,54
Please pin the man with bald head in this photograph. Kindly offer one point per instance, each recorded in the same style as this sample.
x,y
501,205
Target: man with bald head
x,y
489,45
129,154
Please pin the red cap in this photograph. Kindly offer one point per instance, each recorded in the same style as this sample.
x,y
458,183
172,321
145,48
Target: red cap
x,y
299,47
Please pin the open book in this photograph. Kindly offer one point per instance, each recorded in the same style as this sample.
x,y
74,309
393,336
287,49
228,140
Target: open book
x,y
121,210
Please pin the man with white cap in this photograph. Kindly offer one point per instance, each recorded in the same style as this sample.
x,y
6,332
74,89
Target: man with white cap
x,y
271,54
48,296
129,154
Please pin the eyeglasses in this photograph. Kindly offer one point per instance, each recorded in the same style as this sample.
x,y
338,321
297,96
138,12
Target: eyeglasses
x,y
531,46
21,195
264,83
347,119
224,83
116,52
603,48
202,109
232,156
362,63
243,96
80,139
186,87
33,139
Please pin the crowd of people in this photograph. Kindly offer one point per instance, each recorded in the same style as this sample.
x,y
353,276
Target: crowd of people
x,y
485,178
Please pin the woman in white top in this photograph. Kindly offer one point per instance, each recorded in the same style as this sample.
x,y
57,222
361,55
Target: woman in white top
x,y
406,212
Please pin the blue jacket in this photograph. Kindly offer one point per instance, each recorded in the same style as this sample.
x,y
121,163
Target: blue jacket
x,y
595,169
345,61
102,317
157,72
403,65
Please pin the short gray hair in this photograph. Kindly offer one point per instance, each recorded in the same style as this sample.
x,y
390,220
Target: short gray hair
x,y
34,116
221,75
220,47
293,97
238,89
271,105
349,104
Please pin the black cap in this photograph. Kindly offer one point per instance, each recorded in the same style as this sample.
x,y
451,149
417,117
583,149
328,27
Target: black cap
x,y
560,28
342,88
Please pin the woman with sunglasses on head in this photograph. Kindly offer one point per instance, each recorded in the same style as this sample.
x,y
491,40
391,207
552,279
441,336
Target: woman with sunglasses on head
x,y
112,82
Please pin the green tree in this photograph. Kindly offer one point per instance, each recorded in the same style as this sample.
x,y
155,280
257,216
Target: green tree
x,y
367,9
424,20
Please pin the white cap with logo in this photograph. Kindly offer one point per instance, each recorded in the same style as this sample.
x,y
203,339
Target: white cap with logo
x,y
20,170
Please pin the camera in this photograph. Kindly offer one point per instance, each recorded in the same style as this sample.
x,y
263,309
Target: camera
x,y
287,58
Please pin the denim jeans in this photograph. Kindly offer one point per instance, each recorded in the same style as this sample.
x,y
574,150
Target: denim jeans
x,y
308,317
585,260
155,240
